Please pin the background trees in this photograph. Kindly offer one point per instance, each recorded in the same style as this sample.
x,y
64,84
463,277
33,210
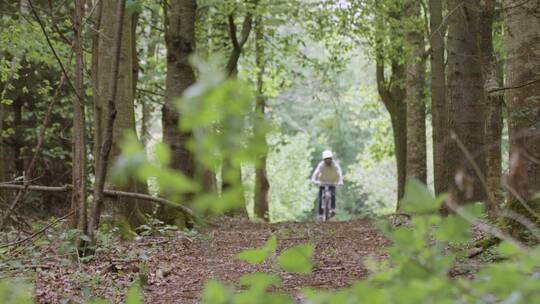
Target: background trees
x,y
145,117
522,70
352,77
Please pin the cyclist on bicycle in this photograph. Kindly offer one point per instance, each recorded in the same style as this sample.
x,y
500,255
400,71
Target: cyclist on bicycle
x,y
327,172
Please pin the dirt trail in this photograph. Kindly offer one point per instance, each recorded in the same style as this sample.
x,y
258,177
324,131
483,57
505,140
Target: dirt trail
x,y
178,267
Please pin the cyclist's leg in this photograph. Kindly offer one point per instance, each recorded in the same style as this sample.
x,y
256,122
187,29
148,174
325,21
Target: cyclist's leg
x,y
333,203
319,201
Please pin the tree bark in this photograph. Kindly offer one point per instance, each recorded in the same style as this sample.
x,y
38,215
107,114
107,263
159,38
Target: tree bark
x,y
151,56
523,66
262,185
415,100
180,39
3,153
494,102
438,98
78,198
466,106
108,126
393,94
124,123
231,174
97,94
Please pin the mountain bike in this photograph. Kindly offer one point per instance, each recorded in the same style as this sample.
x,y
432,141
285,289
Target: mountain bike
x,y
326,201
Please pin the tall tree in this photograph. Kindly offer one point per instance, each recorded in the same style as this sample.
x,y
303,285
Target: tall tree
x,y
466,107
388,44
438,98
232,174
78,200
105,126
494,100
262,185
522,80
415,82
392,93
130,209
180,40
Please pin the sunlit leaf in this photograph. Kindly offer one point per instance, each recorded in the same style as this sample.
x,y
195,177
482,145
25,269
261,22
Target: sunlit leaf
x,y
297,259
257,256
215,293
418,198
134,295
260,281
253,256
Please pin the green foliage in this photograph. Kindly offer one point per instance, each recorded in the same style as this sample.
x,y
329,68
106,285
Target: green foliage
x,y
419,199
260,281
156,227
15,292
257,256
216,293
218,112
297,259
288,165
376,184
133,6
134,295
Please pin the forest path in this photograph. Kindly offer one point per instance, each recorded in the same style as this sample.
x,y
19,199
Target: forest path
x,y
179,266
341,248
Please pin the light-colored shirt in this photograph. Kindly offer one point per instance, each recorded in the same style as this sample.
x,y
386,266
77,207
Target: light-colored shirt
x,y
328,174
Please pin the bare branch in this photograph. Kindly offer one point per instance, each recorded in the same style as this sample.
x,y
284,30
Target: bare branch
x,y
232,32
107,192
15,243
49,43
516,87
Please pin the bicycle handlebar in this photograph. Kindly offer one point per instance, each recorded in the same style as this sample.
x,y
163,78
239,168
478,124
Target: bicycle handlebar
x,y
327,184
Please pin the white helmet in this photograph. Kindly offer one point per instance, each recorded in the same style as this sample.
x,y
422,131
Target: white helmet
x,y
327,154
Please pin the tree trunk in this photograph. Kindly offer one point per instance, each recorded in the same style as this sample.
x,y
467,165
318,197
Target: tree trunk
x,y
152,56
466,106
230,173
125,108
393,94
18,143
438,98
4,195
180,39
399,127
262,185
96,88
78,198
494,102
415,100
522,74
108,126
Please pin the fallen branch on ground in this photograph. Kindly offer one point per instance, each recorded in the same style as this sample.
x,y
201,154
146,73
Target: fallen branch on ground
x,y
482,245
108,193
38,232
